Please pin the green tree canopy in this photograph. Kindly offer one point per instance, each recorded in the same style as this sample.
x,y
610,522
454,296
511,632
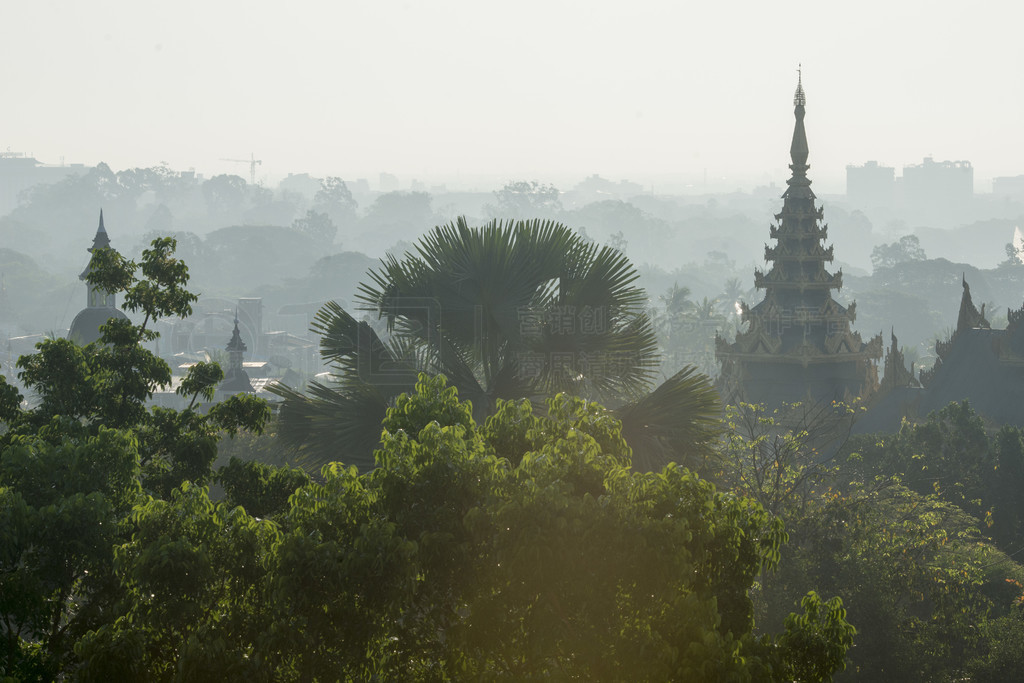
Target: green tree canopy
x,y
449,562
77,460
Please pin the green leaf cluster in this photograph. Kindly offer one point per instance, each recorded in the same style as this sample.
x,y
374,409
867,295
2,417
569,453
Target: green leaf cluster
x,y
915,531
450,562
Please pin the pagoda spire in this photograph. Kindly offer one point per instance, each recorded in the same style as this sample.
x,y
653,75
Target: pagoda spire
x,y
799,341
798,150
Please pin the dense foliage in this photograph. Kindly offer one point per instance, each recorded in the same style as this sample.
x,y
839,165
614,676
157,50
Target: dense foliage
x,y
519,544
75,464
524,548
916,532
446,562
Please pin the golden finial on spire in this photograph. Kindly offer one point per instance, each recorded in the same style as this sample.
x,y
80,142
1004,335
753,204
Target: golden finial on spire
x,y
799,99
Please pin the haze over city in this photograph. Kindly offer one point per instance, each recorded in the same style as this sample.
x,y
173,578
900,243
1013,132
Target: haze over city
x,y
452,341
473,94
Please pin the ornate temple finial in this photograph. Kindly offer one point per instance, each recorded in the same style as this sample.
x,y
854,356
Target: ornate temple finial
x,y
799,99
798,151
101,228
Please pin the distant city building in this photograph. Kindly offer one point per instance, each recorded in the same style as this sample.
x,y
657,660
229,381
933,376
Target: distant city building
x,y
799,345
388,182
938,184
19,173
100,306
1008,186
871,184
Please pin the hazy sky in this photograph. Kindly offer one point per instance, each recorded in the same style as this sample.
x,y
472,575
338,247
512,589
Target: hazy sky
x,y
658,92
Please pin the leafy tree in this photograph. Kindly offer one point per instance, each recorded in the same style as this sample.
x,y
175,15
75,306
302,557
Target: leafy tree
x,y
449,562
334,199
1013,255
920,579
908,248
74,464
780,457
399,212
61,511
318,226
245,256
508,311
193,595
618,242
602,218
952,454
225,195
65,202
1000,659
525,199
263,490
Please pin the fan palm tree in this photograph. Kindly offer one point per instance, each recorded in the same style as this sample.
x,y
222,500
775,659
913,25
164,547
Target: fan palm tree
x,y
731,295
510,310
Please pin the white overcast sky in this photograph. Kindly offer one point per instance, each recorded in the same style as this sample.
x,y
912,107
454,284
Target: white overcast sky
x,y
658,92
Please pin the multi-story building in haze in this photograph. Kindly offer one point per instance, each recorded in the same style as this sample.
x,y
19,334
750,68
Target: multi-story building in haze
x,y
1008,186
871,184
19,172
938,183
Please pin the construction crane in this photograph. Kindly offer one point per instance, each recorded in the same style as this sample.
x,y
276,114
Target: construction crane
x,y
252,161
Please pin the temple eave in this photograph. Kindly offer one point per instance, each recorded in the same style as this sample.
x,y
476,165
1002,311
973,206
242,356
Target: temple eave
x,y
796,286
799,358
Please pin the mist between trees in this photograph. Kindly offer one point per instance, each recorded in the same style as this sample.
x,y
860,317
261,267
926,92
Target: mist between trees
x,y
311,240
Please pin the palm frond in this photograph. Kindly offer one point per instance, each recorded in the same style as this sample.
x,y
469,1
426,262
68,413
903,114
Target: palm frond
x,y
502,310
328,424
356,350
677,421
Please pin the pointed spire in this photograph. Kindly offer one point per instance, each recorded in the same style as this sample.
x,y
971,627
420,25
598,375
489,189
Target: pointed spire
x,y
970,316
236,343
799,99
101,240
798,149
235,378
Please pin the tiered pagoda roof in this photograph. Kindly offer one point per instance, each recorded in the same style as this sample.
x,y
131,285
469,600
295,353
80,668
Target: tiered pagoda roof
x,y
798,343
